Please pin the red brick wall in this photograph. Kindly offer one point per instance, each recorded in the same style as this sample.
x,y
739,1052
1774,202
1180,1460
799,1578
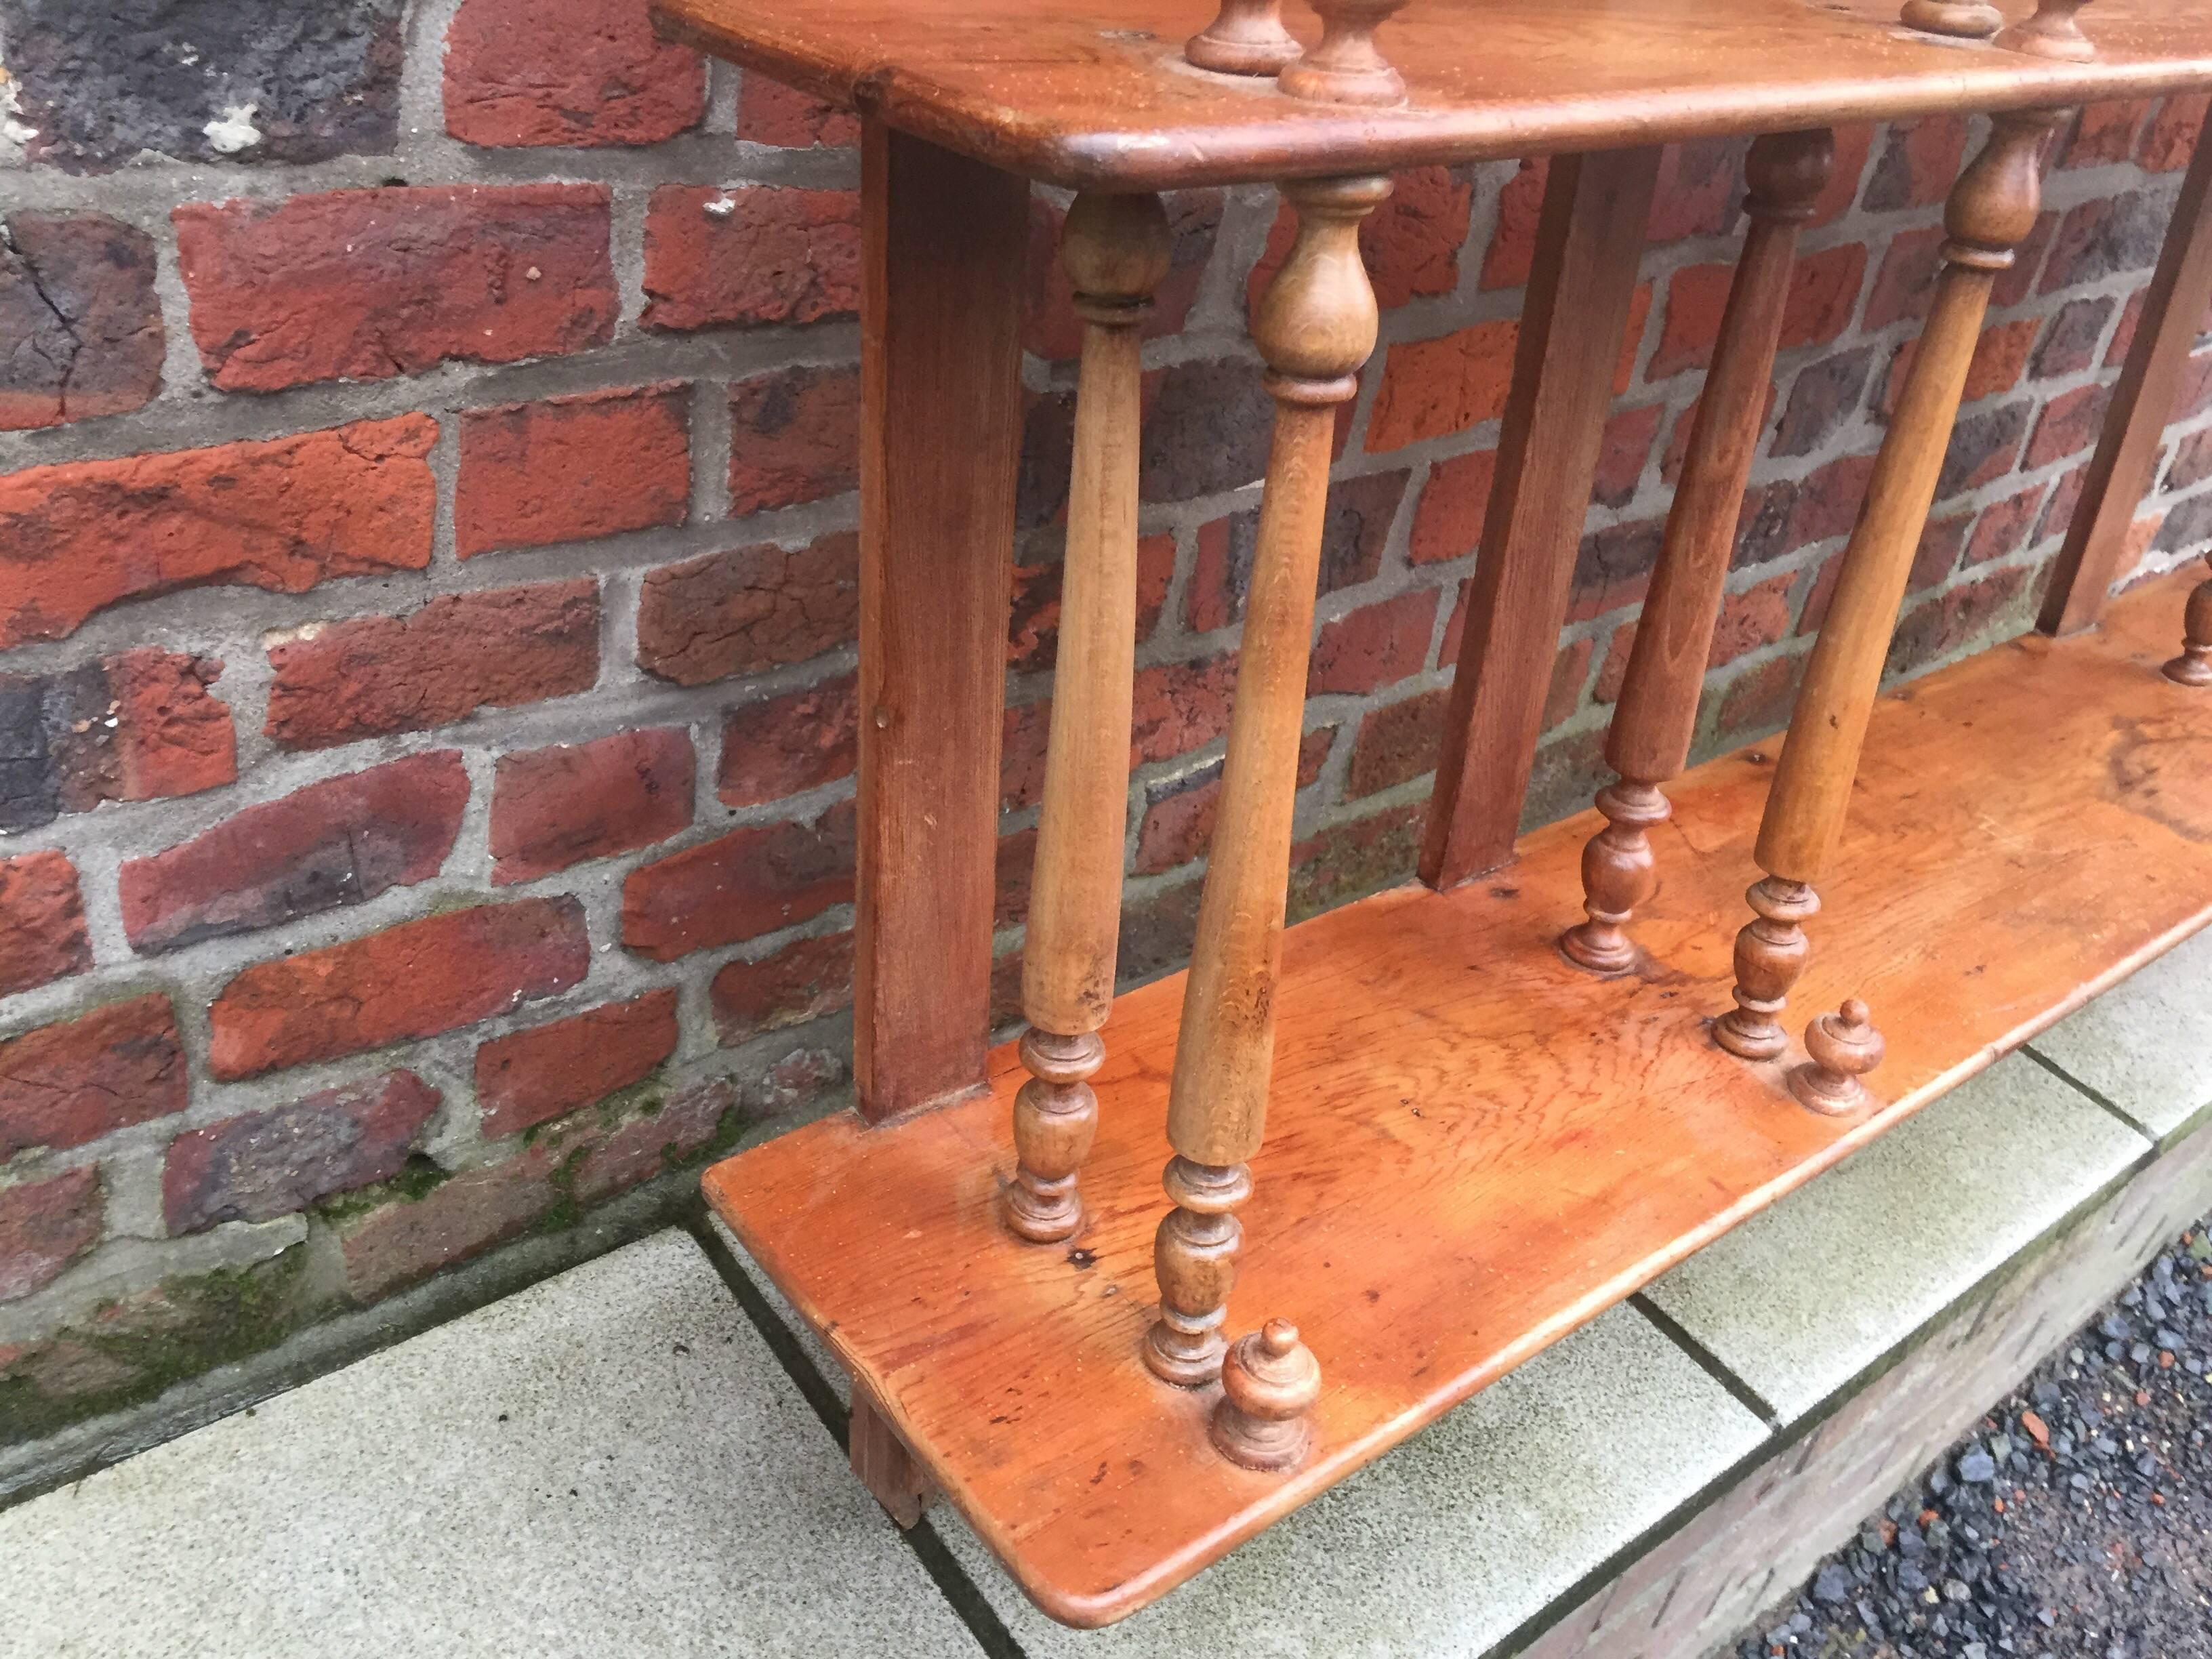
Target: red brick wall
x,y
427,615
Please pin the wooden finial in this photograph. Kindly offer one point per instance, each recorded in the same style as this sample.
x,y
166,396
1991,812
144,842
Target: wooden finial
x,y
2051,33
1770,954
1347,67
1246,38
2194,666
1845,1047
1268,1386
1965,20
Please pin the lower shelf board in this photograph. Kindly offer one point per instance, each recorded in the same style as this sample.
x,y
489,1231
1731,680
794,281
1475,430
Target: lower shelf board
x,y
1474,1147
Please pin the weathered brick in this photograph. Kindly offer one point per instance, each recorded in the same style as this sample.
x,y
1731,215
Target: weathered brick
x,y
1178,706
1905,283
1180,812
2192,460
1824,292
1756,615
133,727
44,1226
412,980
2107,235
556,806
566,72
2069,425
1936,553
1353,857
1051,327
1854,144
2170,138
364,284
1397,743
651,1141
749,610
1353,532
2017,280
1824,395
335,682
78,313
1613,566
802,982
1013,863
1999,359
1919,160
262,1164
335,844
794,436
572,468
1700,185
782,745
770,112
412,1238
101,80
42,935
750,256
1623,449
1041,475
1024,735
1512,249
1447,519
2004,526
2069,340
536,1075
1206,429
738,886
2103,133
1983,447
1760,700
1374,646
1033,627
1953,619
1431,387
283,514
72,1082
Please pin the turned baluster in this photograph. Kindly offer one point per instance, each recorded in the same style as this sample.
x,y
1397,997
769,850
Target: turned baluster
x,y
1966,20
2194,666
2051,33
1116,249
1313,327
1345,66
1657,712
1247,37
1991,207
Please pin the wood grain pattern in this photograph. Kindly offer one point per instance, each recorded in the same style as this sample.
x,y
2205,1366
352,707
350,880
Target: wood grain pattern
x,y
1066,91
943,241
1474,1147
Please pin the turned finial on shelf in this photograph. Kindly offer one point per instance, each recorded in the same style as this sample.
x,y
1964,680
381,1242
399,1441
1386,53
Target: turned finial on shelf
x,y
1845,1047
1269,1383
1964,20
2194,666
1247,37
1347,67
2051,33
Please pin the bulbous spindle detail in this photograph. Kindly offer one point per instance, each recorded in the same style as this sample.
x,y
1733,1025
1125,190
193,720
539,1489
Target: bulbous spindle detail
x,y
1656,714
1964,20
1347,66
1247,37
1845,1048
1116,249
1992,207
1269,1384
2194,666
2053,32
1313,327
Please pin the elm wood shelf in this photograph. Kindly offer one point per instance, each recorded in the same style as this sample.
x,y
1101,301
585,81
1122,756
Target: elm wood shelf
x,y
1088,93
1474,1147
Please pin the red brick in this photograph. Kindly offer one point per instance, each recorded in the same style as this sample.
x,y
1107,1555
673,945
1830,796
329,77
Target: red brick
x,y
44,1226
1696,297
2170,138
338,842
1936,555
1920,159
794,436
554,807
1626,447
409,1239
1431,387
782,745
1354,529
283,515
131,727
801,981
661,1134
1612,672
738,886
1375,646
2000,360
1051,327
2003,526
78,311
1755,617
770,112
1613,567
335,682
1760,699
42,935
1180,813
749,610
1953,619
1904,285
2069,425
573,468
1700,185
1824,292
1826,504
1397,743
262,1164
566,72
2104,133
364,284
2017,280
69,1083
412,980
1181,706
750,256
1512,249
534,1076
1354,856
1447,519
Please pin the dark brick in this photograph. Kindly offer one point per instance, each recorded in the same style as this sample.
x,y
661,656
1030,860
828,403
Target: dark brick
x,y
2069,340
42,935
397,1244
1206,430
1353,532
761,254
1347,860
331,844
1983,447
566,72
1375,646
1919,160
1613,567
1397,742
69,1083
2187,529
1953,620
1700,185
534,1076
134,727
554,807
2107,235
1825,395
752,608
2069,425
2192,460
2004,526
80,327
1760,700
802,982
572,468
262,1164
782,745
1904,285
1048,447
1180,812
44,1226
794,436
738,886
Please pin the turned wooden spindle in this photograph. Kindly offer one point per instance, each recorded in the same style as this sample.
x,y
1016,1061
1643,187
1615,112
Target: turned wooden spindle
x,y
1247,37
1657,712
1991,207
1345,66
1966,20
1116,249
2052,32
1269,1383
1315,326
2194,666
1845,1047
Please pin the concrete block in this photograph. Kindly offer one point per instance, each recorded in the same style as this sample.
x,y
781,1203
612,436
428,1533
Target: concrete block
x,y
2146,1045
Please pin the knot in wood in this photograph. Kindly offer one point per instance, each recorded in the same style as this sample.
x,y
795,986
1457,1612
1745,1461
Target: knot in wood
x,y
1115,250
1317,320
1786,171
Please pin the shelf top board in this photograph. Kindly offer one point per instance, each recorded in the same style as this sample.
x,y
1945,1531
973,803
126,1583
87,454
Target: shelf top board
x,y
1472,1147
1096,92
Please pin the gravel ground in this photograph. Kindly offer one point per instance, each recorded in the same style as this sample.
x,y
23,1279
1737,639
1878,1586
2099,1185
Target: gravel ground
x,y
2075,1523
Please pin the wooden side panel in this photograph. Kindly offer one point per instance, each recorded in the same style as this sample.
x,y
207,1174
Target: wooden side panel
x,y
944,240
1583,277
2143,403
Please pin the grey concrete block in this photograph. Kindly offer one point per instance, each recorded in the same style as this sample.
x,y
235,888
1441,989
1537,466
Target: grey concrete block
x,y
2146,1045
1803,1299
1457,1537
611,1462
